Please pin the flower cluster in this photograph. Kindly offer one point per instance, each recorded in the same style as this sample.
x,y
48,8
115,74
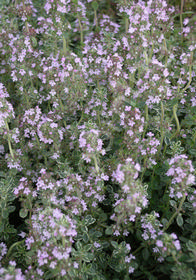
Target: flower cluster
x,y
3,248
48,130
53,232
91,144
182,172
133,123
6,109
95,96
165,244
24,189
133,194
148,149
12,273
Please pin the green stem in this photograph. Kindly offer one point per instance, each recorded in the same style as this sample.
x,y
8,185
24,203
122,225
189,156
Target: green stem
x,y
81,30
9,142
26,25
165,148
98,85
167,205
174,257
126,19
190,76
95,15
175,213
178,90
81,118
176,118
146,57
181,24
27,98
64,45
131,79
99,120
161,127
194,136
13,245
61,104
96,164
145,160
151,53
147,120
126,25
37,140
138,249
166,57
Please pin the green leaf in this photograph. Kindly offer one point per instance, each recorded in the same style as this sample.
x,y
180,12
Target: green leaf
x,y
95,5
97,234
34,41
2,174
88,257
102,217
105,244
191,245
114,264
145,254
72,273
109,230
179,220
84,229
172,203
1,227
87,247
11,209
5,213
49,275
114,244
91,270
85,237
79,245
89,220
23,213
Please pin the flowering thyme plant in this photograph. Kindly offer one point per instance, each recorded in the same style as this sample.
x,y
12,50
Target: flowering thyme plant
x,y
97,140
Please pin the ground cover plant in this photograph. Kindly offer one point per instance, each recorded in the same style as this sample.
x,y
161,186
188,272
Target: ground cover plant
x,y
97,140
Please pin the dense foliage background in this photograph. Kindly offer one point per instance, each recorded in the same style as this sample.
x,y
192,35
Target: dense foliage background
x,y
97,139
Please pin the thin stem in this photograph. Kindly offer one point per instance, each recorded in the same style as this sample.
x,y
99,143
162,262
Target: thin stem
x,y
147,120
174,257
9,142
175,213
138,249
181,24
26,25
146,57
190,76
13,245
95,15
37,140
161,127
126,19
96,164
81,118
151,53
176,118
166,57
81,30
64,45
145,160
126,24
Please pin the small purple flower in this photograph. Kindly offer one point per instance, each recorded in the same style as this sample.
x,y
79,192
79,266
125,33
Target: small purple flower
x,y
159,243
